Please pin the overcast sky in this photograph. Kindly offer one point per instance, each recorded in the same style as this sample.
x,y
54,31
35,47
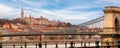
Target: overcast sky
x,y
73,11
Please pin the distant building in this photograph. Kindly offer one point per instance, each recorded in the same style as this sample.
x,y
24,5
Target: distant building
x,y
31,24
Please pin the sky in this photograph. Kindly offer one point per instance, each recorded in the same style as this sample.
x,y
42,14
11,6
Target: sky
x,y
73,11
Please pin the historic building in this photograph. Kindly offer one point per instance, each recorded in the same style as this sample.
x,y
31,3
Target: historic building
x,y
31,24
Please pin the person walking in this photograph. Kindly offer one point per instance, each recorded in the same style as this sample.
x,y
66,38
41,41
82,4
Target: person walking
x,y
40,45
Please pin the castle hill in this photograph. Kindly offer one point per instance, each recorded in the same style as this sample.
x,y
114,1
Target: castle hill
x,y
59,24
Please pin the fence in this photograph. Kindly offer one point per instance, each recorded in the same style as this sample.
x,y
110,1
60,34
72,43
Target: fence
x,y
72,45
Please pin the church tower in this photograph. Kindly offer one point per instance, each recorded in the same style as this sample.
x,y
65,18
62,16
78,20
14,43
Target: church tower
x,y
22,12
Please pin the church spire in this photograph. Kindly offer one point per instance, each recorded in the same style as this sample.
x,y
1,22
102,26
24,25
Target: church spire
x,y
30,16
22,12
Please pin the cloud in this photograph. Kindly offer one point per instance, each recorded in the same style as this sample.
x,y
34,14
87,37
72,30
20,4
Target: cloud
x,y
7,11
108,2
14,0
38,3
74,11
66,15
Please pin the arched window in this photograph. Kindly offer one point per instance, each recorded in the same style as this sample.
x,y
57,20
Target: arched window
x,y
117,25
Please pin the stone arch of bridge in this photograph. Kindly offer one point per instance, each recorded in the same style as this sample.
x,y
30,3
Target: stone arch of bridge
x,y
116,22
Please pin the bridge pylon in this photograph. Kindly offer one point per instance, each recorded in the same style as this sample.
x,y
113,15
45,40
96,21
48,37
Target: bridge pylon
x,y
111,25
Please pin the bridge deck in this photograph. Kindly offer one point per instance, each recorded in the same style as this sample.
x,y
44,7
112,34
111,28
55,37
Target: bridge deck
x,y
50,33
46,33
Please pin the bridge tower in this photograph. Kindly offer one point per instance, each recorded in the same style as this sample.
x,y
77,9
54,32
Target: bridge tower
x,y
111,24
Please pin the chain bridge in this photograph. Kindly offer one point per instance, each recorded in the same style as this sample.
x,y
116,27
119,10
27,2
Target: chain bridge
x,y
88,28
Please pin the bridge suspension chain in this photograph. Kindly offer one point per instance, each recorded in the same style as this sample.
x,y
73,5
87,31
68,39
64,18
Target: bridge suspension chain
x,y
96,24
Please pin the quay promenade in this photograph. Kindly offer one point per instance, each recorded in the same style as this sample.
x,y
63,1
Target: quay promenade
x,y
96,44
48,46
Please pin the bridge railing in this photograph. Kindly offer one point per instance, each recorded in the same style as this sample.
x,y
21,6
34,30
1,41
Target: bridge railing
x,y
66,44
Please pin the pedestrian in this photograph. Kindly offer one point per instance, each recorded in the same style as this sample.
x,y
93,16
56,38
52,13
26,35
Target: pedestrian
x,y
108,45
97,44
40,45
85,44
71,45
81,43
0,45
56,45
21,47
118,44
45,44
